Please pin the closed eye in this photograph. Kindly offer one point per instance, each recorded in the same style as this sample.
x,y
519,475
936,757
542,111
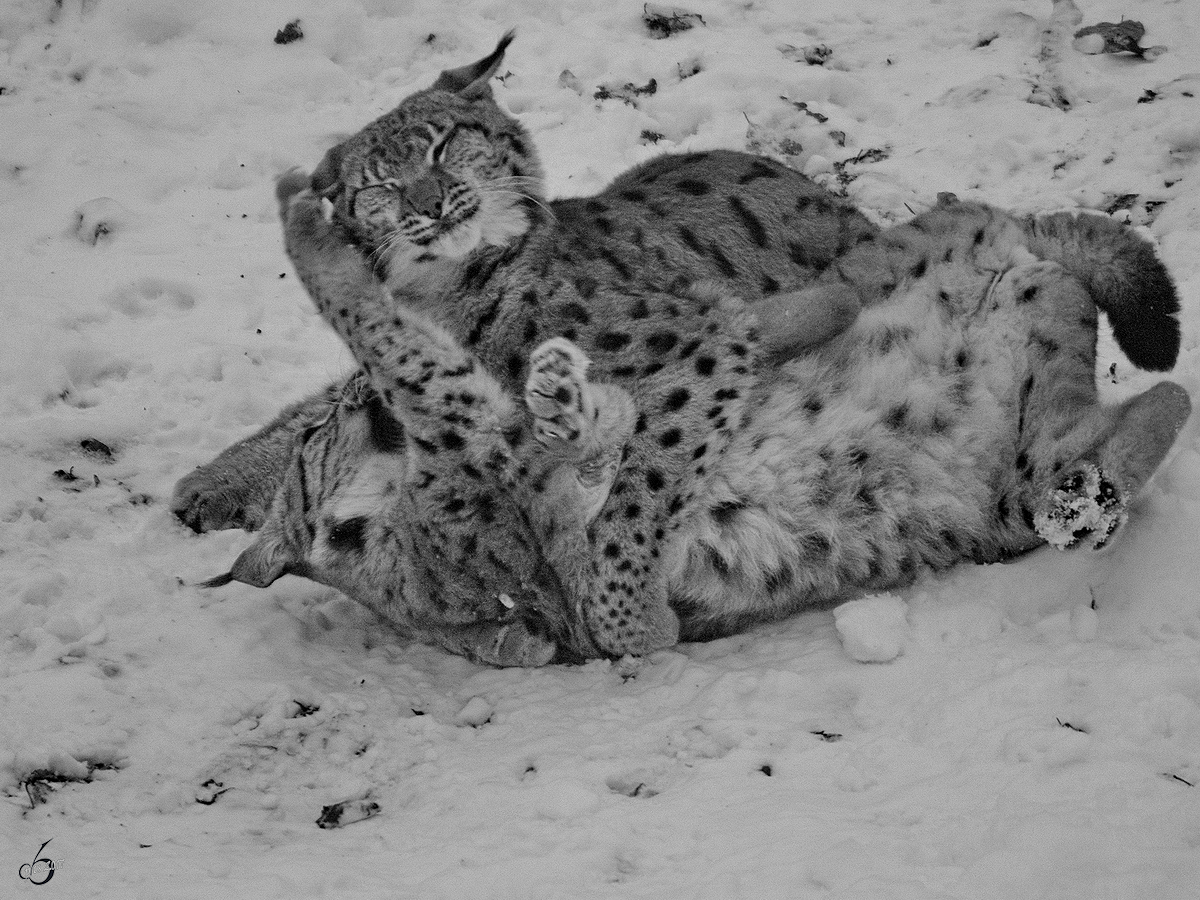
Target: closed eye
x,y
438,149
372,198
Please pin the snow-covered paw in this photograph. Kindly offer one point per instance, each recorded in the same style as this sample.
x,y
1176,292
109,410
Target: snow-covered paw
x,y
1085,509
556,391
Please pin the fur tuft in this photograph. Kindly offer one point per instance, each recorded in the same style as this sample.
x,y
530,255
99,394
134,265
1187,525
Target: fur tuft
x,y
1124,278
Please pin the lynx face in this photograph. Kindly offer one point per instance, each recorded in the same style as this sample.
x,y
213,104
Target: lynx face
x,y
443,174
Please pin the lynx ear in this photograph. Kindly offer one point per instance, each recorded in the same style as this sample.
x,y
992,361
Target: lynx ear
x,y
260,565
471,82
265,561
277,551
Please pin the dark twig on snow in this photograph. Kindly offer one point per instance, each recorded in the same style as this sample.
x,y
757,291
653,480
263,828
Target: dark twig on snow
x,y
627,93
664,21
291,32
1116,37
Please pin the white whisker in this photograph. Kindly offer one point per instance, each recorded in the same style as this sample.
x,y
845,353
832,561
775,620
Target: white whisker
x,y
497,192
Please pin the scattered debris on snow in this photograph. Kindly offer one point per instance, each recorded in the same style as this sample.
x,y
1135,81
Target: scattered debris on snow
x,y
291,33
813,55
98,219
1116,37
627,93
347,812
664,21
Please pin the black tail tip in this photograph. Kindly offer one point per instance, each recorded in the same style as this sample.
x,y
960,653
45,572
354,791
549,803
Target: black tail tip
x,y
1150,345
1148,329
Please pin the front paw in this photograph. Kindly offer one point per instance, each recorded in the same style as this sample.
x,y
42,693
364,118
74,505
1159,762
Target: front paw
x,y
333,270
503,644
287,186
622,627
213,497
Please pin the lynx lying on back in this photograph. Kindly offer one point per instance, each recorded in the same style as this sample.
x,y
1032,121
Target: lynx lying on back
x,y
956,419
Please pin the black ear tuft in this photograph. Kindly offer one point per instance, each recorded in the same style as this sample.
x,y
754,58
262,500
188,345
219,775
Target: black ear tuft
x,y
471,81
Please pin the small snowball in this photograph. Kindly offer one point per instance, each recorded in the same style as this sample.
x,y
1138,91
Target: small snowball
x,y
475,713
1090,44
873,629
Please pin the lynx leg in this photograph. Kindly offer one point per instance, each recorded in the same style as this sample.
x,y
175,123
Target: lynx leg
x,y
507,644
581,428
1087,505
235,490
432,386
793,322
1080,463
582,431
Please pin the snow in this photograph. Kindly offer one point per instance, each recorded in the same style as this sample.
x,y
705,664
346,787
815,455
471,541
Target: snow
x,y
873,628
1038,737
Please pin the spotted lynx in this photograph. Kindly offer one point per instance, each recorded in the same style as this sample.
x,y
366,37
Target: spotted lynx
x,y
442,197
715,473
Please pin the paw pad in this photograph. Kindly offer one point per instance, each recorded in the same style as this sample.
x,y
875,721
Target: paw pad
x,y
556,392
1085,509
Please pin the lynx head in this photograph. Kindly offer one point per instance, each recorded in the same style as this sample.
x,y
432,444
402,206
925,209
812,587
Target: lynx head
x,y
444,173
346,514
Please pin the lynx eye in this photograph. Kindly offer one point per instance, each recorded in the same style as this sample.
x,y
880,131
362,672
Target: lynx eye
x,y
374,199
441,146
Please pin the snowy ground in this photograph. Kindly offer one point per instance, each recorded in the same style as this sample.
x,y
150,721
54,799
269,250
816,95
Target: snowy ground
x,y
1023,745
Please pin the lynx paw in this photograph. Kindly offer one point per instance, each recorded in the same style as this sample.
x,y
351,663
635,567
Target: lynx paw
x,y
211,498
556,392
624,627
502,644
1084,510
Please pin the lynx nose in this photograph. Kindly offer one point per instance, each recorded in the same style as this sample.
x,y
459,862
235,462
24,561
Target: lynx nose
x,y
425,197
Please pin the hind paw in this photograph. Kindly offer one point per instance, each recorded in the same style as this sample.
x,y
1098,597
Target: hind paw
x,y
1085,509
556,392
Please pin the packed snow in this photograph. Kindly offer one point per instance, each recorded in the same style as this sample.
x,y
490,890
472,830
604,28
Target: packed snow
x,y
1029,730
873,628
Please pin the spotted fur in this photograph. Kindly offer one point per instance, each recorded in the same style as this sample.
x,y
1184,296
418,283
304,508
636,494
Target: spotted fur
x,y
442,197
764,469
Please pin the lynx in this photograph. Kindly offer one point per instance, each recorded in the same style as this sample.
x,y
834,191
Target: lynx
x,y
785,406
